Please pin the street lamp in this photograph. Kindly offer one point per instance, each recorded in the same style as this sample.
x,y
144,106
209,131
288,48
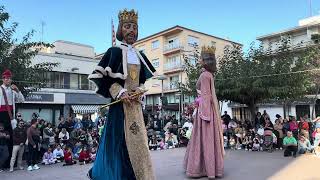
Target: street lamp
x,y
162,78
180,109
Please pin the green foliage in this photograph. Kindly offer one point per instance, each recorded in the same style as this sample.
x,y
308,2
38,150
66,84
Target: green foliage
x,y
279,73
16,55
193,71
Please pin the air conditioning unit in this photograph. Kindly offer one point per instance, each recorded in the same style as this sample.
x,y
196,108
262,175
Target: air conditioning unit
x,y
315,38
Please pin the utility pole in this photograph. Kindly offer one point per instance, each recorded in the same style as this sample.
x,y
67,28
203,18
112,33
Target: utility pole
x,y
310,7
42,29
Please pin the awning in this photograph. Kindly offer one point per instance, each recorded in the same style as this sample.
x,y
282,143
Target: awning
x,y
85,109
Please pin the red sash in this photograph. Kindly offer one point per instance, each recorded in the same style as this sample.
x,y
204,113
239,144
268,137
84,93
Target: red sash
x,y
6,101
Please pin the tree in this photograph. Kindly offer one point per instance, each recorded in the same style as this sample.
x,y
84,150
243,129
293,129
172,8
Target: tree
x,y
193,71
279,73
16,55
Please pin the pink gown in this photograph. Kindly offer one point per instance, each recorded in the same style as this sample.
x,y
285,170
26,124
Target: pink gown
x,y
205,152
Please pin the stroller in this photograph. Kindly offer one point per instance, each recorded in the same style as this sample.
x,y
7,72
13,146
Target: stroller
x,y
268,141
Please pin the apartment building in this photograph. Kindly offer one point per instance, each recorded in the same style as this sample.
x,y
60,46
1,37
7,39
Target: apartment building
x,y
68,90
165,50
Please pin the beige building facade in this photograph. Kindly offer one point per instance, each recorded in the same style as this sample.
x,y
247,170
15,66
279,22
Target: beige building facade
x,y
165,51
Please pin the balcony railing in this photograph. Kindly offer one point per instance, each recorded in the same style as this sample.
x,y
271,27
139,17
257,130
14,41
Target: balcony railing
x,y
172,46
173,66
171,86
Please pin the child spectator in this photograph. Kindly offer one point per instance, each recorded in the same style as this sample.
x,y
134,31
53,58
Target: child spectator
x,y
232,143
225,141
161,144
256,145
316,135
84,156
260,131
290,144
172,140
89,139
64,136
93,154
153,144
304,145
58,153
82,137
77,149
68,158
48,157
294,127
304,127
286,126
247,143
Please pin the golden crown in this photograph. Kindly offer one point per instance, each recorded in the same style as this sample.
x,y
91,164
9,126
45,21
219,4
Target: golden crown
x,y
126,16
208,49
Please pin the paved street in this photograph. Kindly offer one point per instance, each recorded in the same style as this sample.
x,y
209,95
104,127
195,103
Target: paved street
x,y
168,165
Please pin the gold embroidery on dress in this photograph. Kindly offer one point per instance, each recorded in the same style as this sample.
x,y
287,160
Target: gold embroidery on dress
x,y
134,128
135,131
133,73
115,89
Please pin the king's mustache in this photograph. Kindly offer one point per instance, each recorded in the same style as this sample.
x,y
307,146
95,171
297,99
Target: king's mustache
x,y
130,34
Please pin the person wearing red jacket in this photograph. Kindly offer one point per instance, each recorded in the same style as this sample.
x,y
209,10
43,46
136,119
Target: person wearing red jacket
x,y
68,158
84,156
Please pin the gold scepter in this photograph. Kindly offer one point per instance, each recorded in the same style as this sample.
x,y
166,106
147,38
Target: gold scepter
x,y
117,101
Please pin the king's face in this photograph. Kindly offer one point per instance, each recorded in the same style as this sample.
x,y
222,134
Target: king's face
x,y
130,32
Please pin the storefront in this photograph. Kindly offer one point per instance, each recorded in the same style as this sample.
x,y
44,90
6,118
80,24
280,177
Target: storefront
x,y
50,106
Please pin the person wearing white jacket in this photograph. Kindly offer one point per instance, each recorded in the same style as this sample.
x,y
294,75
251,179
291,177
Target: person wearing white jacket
x,y
58,154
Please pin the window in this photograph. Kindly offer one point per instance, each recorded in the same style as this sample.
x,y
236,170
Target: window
x,y
84,82
74,81
149,100
174,81
302,110
241,113
92,86
172,43
142,49
213,43
173,62
192,60
193,41
156,63
48,76
156,99
54,80
155,44
58,80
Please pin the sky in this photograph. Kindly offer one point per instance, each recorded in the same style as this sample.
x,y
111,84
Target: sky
x,y
89,21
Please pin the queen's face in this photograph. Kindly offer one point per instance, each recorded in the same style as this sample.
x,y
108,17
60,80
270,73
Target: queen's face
x,y
130,32
201,61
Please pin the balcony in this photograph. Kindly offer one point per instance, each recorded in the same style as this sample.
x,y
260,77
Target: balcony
x,y
173,68
173,86
172,48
